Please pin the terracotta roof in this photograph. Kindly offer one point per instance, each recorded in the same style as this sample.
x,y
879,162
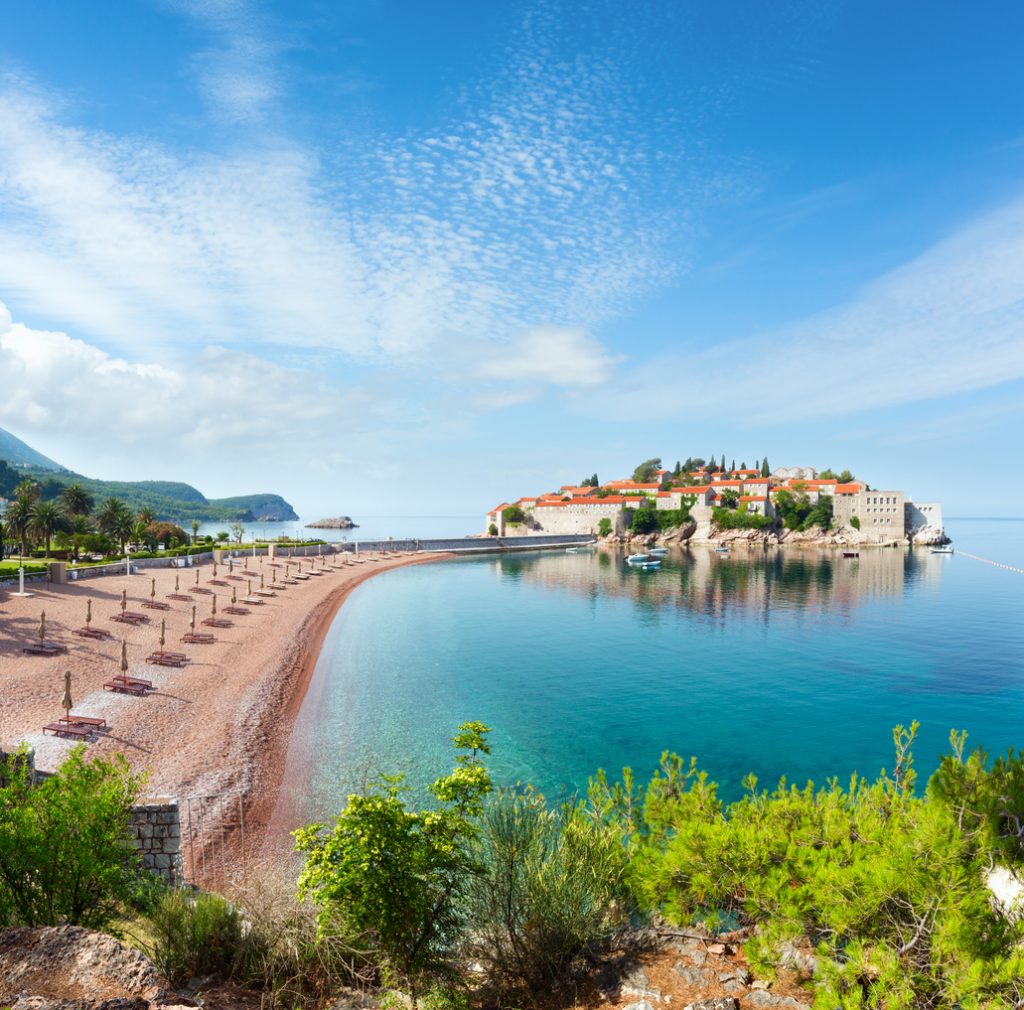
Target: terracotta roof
x,y
753,497
852,488
612,499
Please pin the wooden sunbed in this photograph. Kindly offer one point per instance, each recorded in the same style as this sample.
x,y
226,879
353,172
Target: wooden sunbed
x,y
237,611
134,680
83,720
131,617
216,582
179,596
125,687
198,638
235,578
91,633
44,649
156,605
64,729
201,589
217,622
252,575
167,659
301,578
265,593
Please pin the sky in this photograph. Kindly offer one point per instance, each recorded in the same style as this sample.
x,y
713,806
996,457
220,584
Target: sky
x,y
391,257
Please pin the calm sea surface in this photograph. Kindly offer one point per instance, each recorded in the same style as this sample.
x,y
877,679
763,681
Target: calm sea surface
x,y
795,664
368,528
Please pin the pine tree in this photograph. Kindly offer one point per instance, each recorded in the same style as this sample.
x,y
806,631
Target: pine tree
x,y
765,472
743,465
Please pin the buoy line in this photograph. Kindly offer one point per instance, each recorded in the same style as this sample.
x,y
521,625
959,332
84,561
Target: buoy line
x,y
974,557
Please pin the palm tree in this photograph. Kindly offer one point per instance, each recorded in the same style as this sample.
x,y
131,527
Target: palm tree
x,y
116,520
195,531
18,521
147,515
75,501
46,520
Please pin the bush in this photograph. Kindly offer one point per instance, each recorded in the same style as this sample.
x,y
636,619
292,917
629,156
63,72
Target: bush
x,y
198,935
604,527
734,519
65,843
492,530
547,896
855,522
888,888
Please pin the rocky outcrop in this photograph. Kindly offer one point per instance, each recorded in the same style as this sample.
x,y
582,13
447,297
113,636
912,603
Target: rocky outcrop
x,y
930,536
340,523
53,968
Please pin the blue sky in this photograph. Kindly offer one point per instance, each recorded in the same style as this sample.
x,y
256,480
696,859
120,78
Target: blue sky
x,y
406,257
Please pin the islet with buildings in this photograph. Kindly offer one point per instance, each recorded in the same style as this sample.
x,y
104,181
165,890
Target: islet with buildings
x,y
860,515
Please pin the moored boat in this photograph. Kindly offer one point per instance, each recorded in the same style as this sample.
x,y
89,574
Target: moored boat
x,y
659,552
946,549
635,559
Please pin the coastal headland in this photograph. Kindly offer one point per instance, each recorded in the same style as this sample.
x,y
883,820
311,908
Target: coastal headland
x,y
217,727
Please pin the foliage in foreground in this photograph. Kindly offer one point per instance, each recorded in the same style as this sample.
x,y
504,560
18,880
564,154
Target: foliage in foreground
x,y
65,843
886,886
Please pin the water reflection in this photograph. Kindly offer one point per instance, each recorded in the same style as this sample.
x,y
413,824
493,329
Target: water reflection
x,y
754,581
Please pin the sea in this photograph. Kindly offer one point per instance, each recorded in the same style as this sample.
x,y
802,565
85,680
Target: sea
x,y
794,664
398,527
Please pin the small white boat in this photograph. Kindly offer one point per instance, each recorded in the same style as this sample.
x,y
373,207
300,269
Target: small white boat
x,y
941,550
635,559
572,550
648,564
659,552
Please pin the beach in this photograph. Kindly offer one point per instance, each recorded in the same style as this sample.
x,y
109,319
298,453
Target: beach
x,y
217,727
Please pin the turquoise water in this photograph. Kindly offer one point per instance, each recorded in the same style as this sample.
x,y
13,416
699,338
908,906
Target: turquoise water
x,y
792,664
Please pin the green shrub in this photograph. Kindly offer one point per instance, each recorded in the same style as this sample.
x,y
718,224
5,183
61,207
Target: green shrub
x,y
604,527
887,887
65,843
735,519
855,522
200,935
547,895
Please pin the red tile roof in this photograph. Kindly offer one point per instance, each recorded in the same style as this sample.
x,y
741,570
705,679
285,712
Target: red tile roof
x,y
753,497
851,488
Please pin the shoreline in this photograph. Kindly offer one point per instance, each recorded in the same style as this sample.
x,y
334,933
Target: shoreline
x,y
218,728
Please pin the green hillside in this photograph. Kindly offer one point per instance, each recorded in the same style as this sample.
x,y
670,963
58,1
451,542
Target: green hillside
x,y
18,454
169,500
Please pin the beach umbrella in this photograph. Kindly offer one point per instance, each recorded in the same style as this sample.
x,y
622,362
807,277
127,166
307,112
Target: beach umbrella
x,y
249,584
42,627
261,581
234,596
163,636
193,618
152,589
66,703
88,613
124,657
124,600
177,586
215,569
197,575
213,605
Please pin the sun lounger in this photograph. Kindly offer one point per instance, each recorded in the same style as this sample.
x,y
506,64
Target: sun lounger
x,y
125,687
252,601
167,659
179,596
130,617
301,578
156,605
216,582
63,729
198,638
252,575
235,578
217,622
201,589
83,720
134,680
91,633
265,593
237,611
44,649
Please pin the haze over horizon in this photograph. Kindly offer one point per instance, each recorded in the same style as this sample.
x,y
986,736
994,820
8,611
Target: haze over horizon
x,y
401,258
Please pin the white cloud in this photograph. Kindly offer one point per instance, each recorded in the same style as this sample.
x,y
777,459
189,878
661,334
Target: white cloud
x,y
949,321
554,355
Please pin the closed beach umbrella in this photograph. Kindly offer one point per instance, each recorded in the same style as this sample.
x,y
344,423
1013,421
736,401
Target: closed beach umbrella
x,y
197,575
176,586
261,581
213,605
88,613
234,596
193,618
249,584
152,589
215,569
163,636
66,703
124,600
124,657
42,627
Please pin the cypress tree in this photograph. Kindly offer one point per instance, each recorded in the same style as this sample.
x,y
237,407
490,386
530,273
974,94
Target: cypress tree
x,y
765,472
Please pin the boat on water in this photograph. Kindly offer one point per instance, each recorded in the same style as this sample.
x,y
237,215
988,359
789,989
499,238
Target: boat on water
x,y
722,550
658,552
851,554
635,559
572,550
941,550
648,564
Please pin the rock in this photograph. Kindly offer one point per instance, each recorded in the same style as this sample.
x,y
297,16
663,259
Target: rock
x,y
791,956
760,998
641,1005
759,983
341,523
636,983
690,975
718,1003
930,536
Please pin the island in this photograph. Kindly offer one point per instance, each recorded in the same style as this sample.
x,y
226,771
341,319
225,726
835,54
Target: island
x,y
341,523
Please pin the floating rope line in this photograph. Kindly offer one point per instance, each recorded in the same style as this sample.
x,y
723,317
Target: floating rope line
x,y
974,557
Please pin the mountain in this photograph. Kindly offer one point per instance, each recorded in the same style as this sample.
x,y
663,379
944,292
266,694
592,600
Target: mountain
x,y
17,453
170,500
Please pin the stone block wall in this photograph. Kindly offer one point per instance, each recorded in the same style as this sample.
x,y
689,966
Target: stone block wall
x,y
156,836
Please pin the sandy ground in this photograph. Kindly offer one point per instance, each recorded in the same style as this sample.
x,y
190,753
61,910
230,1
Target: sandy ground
x,y
218,726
